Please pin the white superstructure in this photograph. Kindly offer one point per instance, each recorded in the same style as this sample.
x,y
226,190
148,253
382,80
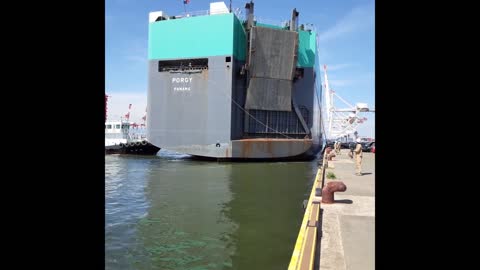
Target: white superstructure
x,y
116,132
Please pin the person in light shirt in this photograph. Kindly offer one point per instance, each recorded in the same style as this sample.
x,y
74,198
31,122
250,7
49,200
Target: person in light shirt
x,y
358,154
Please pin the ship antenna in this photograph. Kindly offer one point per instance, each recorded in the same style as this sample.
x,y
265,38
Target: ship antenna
x,y
184,6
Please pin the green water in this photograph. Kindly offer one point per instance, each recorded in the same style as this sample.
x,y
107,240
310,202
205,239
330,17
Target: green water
x,y
168,212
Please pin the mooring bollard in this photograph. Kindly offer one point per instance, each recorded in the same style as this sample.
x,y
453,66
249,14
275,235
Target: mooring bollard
x,y
329,190
330,153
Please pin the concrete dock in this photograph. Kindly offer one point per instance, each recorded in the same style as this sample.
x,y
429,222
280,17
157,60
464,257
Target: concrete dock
x,y
341,235
348,225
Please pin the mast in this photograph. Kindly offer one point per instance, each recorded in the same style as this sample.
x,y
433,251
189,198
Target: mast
x,y
144,118
106,101
328,102
127,116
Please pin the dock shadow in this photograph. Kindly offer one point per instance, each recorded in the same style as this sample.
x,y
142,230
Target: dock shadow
x,y
316,261
346,201
366,173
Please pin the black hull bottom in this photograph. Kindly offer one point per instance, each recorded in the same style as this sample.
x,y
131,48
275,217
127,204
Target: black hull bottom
x,y
132,149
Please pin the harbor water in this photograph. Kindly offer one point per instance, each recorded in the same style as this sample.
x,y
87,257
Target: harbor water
x,y
170,212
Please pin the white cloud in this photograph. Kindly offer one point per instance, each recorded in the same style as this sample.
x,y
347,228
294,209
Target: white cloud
x,y
338,66
356,20
334,83
118,105
363,78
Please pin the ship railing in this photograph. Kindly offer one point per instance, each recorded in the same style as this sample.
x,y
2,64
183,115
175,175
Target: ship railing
x,y
271,22
136,136
240,14
283,24
242,17
193,14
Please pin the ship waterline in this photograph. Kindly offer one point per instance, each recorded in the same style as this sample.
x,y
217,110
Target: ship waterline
x,y
250,148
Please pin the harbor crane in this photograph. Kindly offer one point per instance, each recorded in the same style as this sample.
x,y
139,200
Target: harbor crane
x,y
341,122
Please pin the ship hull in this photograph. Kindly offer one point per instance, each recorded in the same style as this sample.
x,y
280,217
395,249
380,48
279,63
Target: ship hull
x,y
207,119
269,149
139,148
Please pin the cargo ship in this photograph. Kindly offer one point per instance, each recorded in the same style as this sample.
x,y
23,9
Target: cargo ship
x,y
224,85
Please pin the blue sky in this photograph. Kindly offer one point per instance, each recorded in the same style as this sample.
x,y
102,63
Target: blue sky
x,y
346,36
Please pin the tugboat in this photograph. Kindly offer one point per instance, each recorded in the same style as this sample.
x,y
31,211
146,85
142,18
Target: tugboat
x,y
120,140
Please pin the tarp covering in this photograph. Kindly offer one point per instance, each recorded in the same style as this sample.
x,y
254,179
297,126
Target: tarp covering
x,y
273,57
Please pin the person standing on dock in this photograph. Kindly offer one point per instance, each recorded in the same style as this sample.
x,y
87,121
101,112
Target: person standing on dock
x,y
358,158
337,147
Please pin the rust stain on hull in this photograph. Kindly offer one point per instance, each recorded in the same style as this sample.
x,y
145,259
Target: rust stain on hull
x,y
270,148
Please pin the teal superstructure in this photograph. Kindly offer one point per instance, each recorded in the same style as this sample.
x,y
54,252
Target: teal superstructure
x,y
195,37
205,36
